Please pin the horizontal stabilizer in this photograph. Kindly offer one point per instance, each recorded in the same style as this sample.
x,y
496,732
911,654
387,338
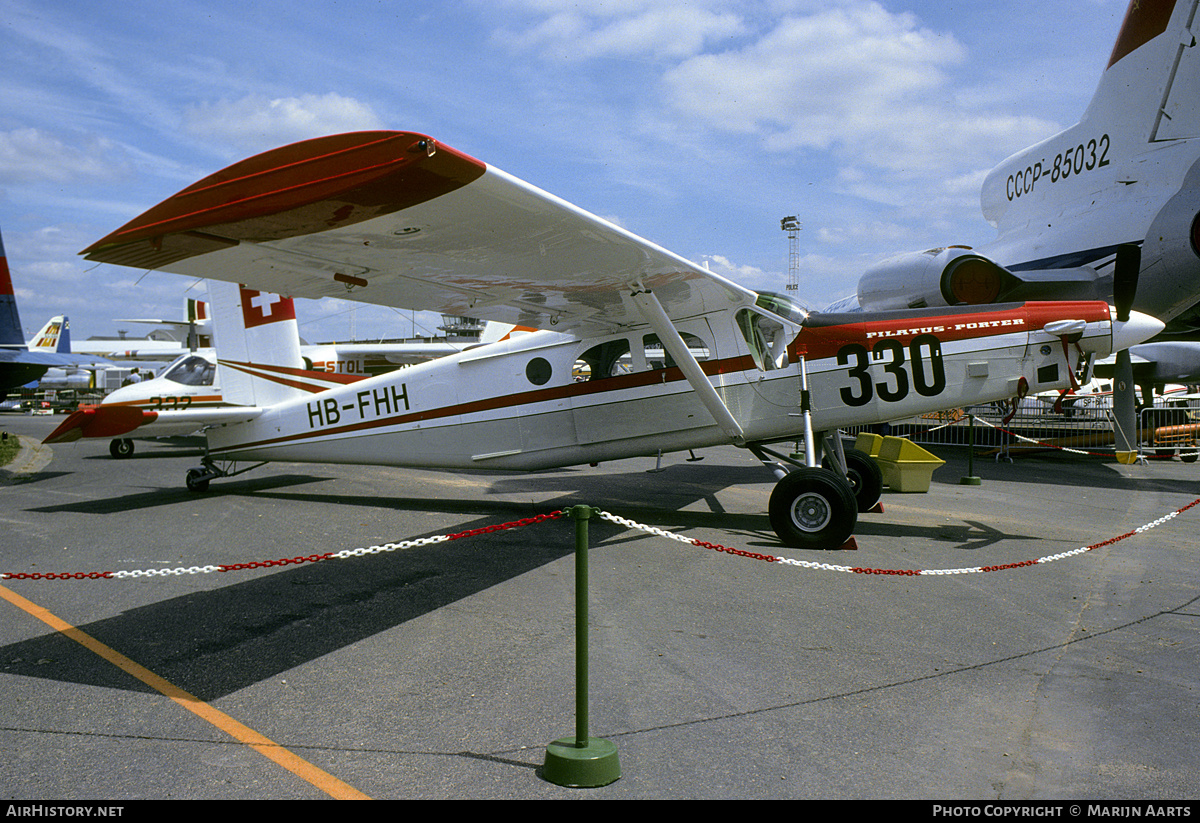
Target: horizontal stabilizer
x,y
114,421
99,421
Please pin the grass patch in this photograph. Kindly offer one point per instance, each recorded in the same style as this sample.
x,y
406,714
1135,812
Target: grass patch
x,y
10,444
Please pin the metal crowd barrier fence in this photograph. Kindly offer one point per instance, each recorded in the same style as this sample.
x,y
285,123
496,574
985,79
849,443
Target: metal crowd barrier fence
x,y
1081,424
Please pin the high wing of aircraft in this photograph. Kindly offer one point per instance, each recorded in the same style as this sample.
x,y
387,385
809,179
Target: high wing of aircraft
x,y
22,362
1127,173
400,219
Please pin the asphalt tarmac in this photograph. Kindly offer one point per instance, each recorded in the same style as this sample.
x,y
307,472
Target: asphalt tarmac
x,y
443,671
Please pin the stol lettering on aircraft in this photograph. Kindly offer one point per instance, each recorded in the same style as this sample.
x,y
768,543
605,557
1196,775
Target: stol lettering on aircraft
x,y
399,219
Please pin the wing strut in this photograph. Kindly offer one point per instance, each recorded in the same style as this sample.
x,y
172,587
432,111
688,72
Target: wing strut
x,y
653,311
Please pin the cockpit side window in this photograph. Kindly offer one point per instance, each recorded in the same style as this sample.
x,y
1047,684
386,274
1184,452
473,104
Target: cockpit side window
x,y
766,337
192,371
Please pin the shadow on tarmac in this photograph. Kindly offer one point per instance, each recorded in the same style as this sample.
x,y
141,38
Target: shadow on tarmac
x,y
214,643
217,642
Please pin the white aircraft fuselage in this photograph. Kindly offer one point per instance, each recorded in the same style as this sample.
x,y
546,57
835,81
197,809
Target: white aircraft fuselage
x,y
449,413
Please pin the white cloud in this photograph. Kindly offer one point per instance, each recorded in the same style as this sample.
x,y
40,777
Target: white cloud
x,y
857,79
34,155
740,272
255,122
574,31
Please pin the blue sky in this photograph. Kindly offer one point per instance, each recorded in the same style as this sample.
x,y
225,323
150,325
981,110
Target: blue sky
x,y
697,125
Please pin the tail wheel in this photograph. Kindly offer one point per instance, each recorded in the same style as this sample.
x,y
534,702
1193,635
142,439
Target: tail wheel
x,y
196,480
865,477
813,508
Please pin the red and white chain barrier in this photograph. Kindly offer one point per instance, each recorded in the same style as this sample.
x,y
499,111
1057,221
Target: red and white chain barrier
x,y
287,561
833,567
541,518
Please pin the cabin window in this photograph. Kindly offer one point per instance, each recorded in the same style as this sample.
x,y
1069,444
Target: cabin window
x,y
657,356
538,371
605,360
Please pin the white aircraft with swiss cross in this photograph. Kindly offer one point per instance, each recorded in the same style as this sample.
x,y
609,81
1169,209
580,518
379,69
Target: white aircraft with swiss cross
x,y
187,397
400,219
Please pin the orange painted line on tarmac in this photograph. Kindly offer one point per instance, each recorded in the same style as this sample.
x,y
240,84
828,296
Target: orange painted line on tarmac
x,y
267,748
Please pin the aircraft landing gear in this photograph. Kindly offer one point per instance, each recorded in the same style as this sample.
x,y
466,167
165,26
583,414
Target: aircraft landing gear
x,y
816,507
865,476
197,480
121,447
813,508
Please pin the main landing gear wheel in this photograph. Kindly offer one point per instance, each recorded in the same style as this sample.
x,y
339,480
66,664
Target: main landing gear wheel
x,y
121,447
865,477
196,480
813,508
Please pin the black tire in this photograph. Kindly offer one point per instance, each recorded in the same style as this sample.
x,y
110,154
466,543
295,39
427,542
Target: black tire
x,y
813,509
196,481
121,448
1189,456
865,476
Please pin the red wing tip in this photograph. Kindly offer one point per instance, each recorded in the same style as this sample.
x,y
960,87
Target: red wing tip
x,y
354,168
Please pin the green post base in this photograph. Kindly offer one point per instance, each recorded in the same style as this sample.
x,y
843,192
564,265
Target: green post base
x,y
970,481
568,764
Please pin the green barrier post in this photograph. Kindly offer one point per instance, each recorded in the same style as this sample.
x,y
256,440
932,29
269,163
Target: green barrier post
x,y
581,761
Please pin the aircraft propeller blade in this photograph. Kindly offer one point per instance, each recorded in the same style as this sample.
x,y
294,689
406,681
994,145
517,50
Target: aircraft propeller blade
x,y
1125,278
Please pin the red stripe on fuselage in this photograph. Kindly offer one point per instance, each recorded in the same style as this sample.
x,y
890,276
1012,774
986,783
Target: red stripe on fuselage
x,y
284,376
603,385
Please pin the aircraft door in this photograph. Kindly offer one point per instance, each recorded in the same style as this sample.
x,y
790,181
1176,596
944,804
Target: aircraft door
x,y
630,386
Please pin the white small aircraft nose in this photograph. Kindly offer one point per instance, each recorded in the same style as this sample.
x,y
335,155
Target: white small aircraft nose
x,y
1137,329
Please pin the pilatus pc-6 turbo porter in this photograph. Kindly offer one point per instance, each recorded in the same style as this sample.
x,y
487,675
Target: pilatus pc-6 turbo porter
x,y
402,220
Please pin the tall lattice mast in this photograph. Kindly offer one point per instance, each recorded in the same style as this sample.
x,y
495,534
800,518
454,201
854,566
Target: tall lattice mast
x,y
792,226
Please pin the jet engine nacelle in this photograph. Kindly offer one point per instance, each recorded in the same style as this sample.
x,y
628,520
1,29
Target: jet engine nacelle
x,y
949,276
1171,257
62,379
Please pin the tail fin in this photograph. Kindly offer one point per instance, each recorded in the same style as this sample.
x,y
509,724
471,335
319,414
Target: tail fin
x,y
257,343
55,336
11,335
199,324
1151,85
1148,96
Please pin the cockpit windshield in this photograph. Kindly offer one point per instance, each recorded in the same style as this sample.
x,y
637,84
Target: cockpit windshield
x,y
781,306
191,370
